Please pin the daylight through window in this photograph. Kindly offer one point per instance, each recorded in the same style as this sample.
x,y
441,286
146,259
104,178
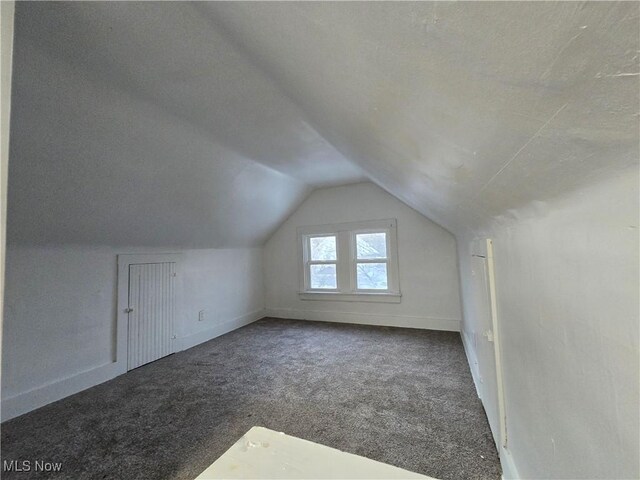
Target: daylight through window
x,y
371,261
322,262
348,261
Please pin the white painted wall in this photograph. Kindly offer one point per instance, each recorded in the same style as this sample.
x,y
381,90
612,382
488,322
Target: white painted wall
x,y
62,299
6,34
427,260
567,290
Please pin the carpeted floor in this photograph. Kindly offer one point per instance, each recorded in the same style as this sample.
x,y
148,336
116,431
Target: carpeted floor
x,y
400,396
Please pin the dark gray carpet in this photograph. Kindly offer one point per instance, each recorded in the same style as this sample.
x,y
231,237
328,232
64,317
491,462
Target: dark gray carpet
x,y
400,396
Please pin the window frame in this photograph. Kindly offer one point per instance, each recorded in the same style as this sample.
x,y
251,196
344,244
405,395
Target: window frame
x,y
346,262
308,263
355,260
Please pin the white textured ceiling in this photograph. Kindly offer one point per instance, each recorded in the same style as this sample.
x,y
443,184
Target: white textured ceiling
x,y
205,124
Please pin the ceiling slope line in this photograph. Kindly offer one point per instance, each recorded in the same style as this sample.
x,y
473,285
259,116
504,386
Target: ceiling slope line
x,y
231,37
309,117
535,135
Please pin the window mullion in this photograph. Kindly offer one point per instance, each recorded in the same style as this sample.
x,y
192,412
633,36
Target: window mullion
x,y
344,256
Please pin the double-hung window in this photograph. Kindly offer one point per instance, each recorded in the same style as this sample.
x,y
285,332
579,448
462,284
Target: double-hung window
x,y
371,261
322,262
349,261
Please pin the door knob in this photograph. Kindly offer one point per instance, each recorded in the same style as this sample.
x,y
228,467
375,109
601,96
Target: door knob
x,y
128,310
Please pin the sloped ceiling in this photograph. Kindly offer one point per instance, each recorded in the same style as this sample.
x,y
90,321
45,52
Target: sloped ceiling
x,y
205,124
463,110
140,124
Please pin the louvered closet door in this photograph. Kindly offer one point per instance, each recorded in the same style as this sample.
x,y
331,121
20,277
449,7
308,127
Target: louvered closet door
x,y
151,312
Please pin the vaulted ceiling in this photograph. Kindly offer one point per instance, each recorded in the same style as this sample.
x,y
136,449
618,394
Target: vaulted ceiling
x,y
205,124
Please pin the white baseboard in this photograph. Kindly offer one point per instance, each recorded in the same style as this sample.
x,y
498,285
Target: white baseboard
x,y
509,470
405,321
226,327
51,392
59,389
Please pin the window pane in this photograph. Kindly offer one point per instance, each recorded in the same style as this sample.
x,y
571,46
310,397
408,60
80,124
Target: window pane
x,y
323,276
323,248
372,276
371,245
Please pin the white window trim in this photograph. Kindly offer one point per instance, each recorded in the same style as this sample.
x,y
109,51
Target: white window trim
x,y
306,260
345,234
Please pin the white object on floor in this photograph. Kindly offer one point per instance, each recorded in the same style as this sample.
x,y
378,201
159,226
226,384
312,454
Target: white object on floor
x,y
264,454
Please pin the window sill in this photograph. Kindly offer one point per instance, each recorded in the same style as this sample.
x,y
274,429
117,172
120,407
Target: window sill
x,y
352,297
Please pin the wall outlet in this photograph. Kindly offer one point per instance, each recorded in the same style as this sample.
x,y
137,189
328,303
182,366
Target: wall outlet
x,y
201,315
